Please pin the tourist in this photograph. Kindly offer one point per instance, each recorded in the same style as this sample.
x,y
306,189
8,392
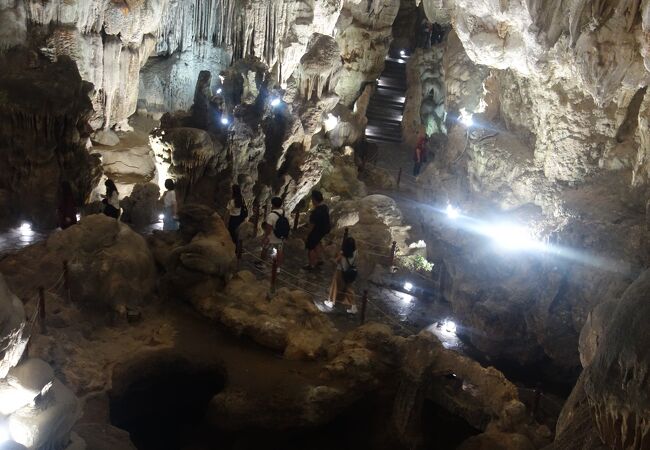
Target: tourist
x,y
111,200
170,207
237,212
320,227
341,290
276,229
67,210
419,156
425,33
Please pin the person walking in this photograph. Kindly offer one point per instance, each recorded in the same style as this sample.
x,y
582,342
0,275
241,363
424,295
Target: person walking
x,y
276,228
341,289
67,209
170,207
237,212
111,200
320,227
419,156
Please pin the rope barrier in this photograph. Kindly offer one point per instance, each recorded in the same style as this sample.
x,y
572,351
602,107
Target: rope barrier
x,y
321,296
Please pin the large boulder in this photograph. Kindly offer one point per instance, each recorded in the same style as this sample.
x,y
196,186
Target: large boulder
x,y
143,206
110,265
200,258
287,321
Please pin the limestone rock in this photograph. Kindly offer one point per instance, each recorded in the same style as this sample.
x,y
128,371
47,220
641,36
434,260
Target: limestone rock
x,y
42,141
201,262
319,67
110,265
615,382
289,322
101,436
105,137
142,207
12,332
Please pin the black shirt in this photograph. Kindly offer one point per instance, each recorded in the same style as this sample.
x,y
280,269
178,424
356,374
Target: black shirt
x,y
320,218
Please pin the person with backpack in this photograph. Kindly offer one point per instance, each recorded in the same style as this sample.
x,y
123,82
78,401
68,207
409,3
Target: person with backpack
x,y
111,200
320,227
237,212
341,289
276,229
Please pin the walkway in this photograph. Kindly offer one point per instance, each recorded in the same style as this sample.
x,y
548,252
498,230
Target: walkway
x,y
386,105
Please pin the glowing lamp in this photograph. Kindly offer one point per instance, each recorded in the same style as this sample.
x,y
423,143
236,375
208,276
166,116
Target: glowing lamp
x,y
402,53
331,122
275,102
466,118
26,229
161,217
78,217
408,287
219,91
225,121
449,326
452,212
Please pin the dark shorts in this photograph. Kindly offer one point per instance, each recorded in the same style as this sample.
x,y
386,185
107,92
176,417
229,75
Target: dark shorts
x,y
313,239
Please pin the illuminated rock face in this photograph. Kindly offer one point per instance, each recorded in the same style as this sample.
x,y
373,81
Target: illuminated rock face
x,y
112,41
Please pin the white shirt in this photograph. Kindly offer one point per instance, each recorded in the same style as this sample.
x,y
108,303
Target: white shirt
x,y
232,209
114,200
271,219
169,199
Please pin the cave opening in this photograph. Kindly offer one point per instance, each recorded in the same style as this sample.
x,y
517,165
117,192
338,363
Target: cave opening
x,y
162,402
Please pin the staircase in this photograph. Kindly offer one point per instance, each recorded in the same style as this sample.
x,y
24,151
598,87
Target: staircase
x,y
387,103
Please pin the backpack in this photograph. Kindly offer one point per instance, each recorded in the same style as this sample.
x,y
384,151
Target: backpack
x,y
282,226
350,274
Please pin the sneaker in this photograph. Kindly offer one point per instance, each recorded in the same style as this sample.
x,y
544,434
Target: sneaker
x,y
353,309
329,304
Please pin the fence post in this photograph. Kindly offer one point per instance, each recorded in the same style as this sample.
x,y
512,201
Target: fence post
x,y
66,279
346,233
41,309
274,278
399,176
364,306
393,251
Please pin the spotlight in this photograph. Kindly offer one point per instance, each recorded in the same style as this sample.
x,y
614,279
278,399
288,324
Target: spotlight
x,y
511,237
452,212
408,287
275,102
219,91
331,122
449,326
402,53
161,217
225,121
78,217
26,229
466,118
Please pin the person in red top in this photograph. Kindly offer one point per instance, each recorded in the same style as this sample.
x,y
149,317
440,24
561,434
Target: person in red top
x,y
420,155
66,210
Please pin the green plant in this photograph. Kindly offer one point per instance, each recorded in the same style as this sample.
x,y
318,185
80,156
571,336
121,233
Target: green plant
x,y
415,263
